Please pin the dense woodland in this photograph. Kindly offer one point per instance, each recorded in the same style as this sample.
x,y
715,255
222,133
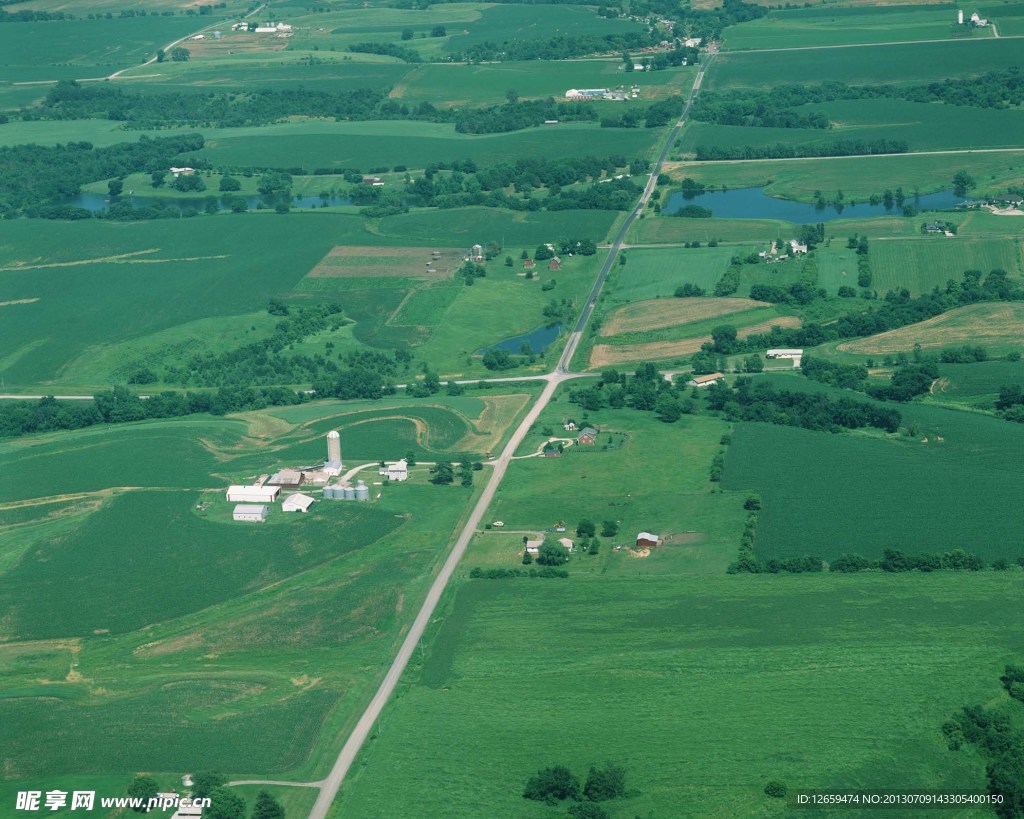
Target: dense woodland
x,y
782,150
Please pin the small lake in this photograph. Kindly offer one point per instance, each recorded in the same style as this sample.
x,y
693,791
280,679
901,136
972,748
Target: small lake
x,y
96,202
538,339
754,203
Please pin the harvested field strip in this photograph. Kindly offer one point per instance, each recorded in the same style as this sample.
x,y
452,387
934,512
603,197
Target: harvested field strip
x,y
417,262
18,301
984,324
657,313
604,355
122,258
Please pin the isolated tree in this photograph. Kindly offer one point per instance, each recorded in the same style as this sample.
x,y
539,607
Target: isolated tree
x,y
524,255
752,503
776,789
527,558
724,339
442,473
509,262
158,178
605,783
586,528
407,33
161,55
225,804
410,458
668,409
552,553
143,787
587,810
609,528
512,96
180,55
203,784
962,182
267,807
115,187
230,183
438,31
552,784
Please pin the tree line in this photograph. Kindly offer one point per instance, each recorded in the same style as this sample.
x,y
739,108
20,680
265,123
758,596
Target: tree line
x,y
781,150
559,47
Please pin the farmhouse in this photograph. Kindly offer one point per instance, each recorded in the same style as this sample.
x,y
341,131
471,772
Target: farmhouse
x,y
587,436
533,546
240,27
176,172
551,122
796,247
251,512
286,479
647,540
398,471
692,42
705,380
297,503
567,543
374,181
252,494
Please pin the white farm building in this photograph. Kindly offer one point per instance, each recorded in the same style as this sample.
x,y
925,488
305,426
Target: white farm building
x,y
296,503
251,512
253,494
784,353
398,471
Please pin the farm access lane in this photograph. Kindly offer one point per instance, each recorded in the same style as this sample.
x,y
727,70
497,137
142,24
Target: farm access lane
x,y
996,36
332,782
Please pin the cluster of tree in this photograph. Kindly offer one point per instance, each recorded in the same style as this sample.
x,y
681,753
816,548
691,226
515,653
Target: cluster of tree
x,y
1010,403
781,150
749,401
690,290
908,381
31,16
754,109
997,736
965,354
501,574
556,784
443,473
513,116
747,563
224,802
796,293
897,309
559,47
645,390
552,553
34,174
845,376
664,112
693,212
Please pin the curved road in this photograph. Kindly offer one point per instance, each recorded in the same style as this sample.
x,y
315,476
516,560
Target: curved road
x,y
331,784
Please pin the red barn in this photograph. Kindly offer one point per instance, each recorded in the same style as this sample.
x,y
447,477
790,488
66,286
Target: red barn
x,y
647,540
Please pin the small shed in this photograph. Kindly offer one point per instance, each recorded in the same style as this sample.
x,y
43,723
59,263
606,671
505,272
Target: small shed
x,y
296,503
552,450
250,512
645,540
555,264
286,478
529,264
587,436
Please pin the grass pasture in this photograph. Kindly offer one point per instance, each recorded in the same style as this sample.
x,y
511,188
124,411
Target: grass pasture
x,y
975,385
762,659
997,326
920,264
653,273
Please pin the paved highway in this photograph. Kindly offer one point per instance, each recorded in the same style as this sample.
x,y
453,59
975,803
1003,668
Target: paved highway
x,y
331,784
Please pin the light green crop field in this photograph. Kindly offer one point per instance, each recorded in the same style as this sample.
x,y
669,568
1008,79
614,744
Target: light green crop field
x,y
72,49
904,64
860,177
651,273
364,145
795,28
761,660
920,264
487,84
924,126
903,492
254,658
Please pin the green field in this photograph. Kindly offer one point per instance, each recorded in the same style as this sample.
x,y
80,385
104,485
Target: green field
x,y
73,49
895,493
651,273
860,177
920,264
923,126
830,26
766,661
241,648
364,145
903,64
975,385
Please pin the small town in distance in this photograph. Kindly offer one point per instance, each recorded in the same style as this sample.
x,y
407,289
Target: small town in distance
x,y
542,410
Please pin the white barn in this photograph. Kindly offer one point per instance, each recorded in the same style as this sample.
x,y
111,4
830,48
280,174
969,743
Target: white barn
x,y
784,353
297,503
398,471
253,494
251,512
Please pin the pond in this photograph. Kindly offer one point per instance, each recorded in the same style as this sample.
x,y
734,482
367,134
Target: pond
x,y
538,339
754,203
96,202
